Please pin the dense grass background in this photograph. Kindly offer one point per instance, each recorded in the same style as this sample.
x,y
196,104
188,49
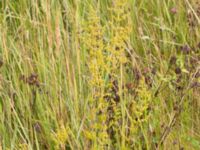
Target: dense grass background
x,y
47,100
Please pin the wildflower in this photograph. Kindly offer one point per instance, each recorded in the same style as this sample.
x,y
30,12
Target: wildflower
x,y
129,85
178,70
140,106
37,127
173,10
105,58
23,146
60,137
31,80
92,40
185,49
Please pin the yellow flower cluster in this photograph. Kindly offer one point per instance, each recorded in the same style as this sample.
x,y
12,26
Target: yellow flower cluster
x,y
106,49
119,31
23,146
92,40
60,137
119,35
140,106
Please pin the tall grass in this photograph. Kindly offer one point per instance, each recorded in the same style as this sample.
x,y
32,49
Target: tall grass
x,y
109,74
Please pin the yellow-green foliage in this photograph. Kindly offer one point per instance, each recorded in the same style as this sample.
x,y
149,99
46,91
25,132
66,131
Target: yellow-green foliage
x,y
99,74
93,43
119,35
23,146
60,137
106,57
139,109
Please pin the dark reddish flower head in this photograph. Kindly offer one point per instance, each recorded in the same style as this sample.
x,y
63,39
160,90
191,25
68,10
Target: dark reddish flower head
x,y
178,70
185,49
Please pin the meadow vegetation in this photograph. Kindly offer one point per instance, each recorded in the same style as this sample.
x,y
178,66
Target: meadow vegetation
x,y
99,74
